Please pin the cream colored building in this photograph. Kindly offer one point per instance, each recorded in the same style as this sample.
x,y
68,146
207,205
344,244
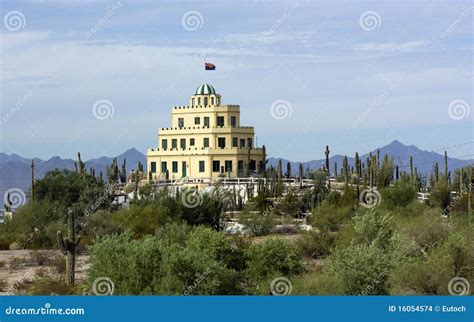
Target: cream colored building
x,y
205,140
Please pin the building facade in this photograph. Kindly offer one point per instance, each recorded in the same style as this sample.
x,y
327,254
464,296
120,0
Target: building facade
x,y
205,140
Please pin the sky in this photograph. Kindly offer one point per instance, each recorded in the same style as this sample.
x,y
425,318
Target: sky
x,y
101,77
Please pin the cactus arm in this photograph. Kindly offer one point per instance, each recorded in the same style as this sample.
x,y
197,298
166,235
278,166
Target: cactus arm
x,y
62,245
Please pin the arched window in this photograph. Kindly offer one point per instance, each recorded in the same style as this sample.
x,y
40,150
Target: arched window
x,y
199,101
205,101
212,100
192,101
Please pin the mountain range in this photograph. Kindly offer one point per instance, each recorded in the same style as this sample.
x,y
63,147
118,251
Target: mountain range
x,y
15,170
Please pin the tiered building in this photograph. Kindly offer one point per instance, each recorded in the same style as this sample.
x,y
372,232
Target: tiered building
x,y
205,140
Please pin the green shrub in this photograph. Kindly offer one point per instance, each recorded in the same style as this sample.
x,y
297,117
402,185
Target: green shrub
x,y
43,284
426,230
257,224
273,257
202,262
400,194
359,269
330,219
431,275
374,228
317,283
441,195
315,244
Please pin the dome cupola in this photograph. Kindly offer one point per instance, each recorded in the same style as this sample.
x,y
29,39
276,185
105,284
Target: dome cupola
x,y
205,89
205,96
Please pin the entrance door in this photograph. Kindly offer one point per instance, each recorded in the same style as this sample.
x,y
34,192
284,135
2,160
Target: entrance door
x,y
183,169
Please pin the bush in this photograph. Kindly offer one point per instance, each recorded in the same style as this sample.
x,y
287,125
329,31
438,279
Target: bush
x,y
317,283
426,230
202,262
374,228
44,284
315,244
330,219
441,195
359,269
257,224
273,257
58,263
38,257
431,275
401,194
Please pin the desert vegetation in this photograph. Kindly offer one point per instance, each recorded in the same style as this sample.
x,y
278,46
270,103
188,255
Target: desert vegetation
x,y
327,237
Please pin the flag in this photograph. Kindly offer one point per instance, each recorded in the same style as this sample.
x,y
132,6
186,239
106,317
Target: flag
x,y
209,66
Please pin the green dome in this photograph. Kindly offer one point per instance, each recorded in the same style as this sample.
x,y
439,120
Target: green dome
x,y
205,89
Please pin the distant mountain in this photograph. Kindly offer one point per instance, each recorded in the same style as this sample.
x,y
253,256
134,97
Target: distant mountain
x,y
15,170
401,153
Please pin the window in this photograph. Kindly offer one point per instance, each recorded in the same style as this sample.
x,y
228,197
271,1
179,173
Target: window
x,y
249,142
220,121
153,167
182,144
228,166
199,101
235,142
242,143
175,166
221,143
240,166
164,144
206,142
174,143
191,142
233,121
181,122
212,100
197,120
205,101
216,166
164,167
202,167
206,121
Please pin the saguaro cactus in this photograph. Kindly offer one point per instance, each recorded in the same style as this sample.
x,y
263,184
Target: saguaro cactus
x,y
68,246
446,164
79,165
327,158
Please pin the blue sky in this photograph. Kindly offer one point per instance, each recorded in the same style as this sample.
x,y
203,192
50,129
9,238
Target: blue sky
x,y
355,76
